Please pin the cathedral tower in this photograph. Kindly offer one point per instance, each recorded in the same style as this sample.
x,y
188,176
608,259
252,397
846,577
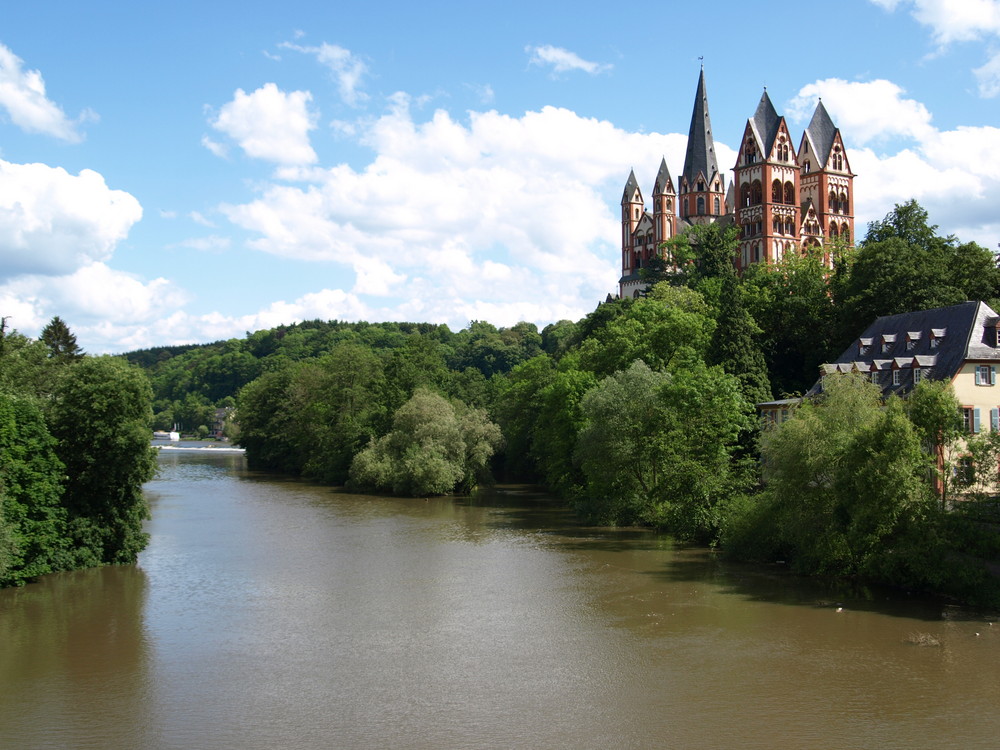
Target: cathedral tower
x,y
767,189
827,180
701,187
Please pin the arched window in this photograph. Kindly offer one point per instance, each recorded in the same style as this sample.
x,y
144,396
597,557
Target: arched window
x,y
701,205
638,261
751,154
789,227
637,213
756,194
834,231
701,186
845,231
806,166
843,203
745,195
669,206
776,191
635,294
717,206
685,206
789,193
776,225
833,201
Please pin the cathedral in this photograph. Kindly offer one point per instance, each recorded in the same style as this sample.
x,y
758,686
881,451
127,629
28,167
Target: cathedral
x,y
782,199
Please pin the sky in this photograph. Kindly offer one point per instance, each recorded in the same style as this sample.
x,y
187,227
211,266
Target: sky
x,y
188,172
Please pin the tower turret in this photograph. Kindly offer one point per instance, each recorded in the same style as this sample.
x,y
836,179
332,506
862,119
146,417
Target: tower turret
x,y
701,187
826,177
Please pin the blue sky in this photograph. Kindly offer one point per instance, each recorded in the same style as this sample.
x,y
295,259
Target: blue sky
x,y
192,171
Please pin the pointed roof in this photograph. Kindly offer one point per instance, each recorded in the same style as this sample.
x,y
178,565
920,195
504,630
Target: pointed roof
x,y
821,132
664,183
630,187
766,122
700,155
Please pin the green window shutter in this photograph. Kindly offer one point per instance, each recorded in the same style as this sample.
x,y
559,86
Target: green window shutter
x,y
995,420
975,420
978,379
993,375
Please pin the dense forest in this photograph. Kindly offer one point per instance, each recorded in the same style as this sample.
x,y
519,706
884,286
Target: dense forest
x,y
641,413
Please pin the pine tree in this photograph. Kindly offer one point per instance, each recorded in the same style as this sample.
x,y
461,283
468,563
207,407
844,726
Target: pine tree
x,y
60,341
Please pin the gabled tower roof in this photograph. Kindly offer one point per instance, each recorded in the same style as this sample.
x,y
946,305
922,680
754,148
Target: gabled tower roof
x,y
664,183
821,132
766,122
630,187
700,155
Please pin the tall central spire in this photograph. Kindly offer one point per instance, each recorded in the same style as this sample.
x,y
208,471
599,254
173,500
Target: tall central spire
x,y
700,155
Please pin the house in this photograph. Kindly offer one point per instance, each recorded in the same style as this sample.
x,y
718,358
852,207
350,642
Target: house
x,y
782,200
959,344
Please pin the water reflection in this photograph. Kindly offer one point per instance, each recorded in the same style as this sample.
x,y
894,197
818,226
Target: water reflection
x,y
268,613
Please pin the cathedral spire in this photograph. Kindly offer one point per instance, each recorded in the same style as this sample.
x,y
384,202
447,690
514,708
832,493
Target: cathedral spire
x,y
700,157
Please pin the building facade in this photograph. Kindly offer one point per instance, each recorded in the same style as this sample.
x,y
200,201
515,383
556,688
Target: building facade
x,y
782,199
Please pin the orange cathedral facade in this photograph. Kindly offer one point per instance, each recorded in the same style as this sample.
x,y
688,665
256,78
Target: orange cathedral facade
x,y
782,199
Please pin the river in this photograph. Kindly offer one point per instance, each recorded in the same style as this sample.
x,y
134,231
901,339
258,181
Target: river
x,y
271,613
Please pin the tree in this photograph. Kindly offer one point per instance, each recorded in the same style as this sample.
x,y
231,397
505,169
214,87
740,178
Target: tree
x,y
100,417
903,265
734,346
32,518
844,478
61,342
656,447
653,329
433,448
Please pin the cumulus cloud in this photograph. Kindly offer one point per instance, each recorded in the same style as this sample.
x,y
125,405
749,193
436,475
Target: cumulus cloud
x,y
952,21
52,222
346,68
93,296
22,96
268,124
562,60
453,216
870,111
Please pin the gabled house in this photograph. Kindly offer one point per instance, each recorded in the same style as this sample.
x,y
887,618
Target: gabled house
x,y
959,344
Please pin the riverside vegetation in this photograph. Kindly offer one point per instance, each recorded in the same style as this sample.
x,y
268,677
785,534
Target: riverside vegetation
x,y
642,412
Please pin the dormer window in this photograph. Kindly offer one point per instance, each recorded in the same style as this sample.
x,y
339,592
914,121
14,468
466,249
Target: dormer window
x,y
888,341
937,334
897,377
918,374
864,346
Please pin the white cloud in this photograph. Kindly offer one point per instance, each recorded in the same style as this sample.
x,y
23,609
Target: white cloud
x,y
198,218
952,21
347,69
869,111
211,243
52,222
268,124
456,218
562,60
22,95
92,296
988,77
219,149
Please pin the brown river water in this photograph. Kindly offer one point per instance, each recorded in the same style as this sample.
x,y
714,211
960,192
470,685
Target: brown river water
x,y
270,613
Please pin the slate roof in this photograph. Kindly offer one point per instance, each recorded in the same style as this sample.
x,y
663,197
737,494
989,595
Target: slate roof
x,y
700,156
664,183
630,187
765,122
943,339
821,132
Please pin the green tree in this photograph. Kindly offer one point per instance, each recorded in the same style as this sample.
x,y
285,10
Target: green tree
x,y
32,519
903,265
100,417
734,345
656,447
432,449
844,478
60,341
